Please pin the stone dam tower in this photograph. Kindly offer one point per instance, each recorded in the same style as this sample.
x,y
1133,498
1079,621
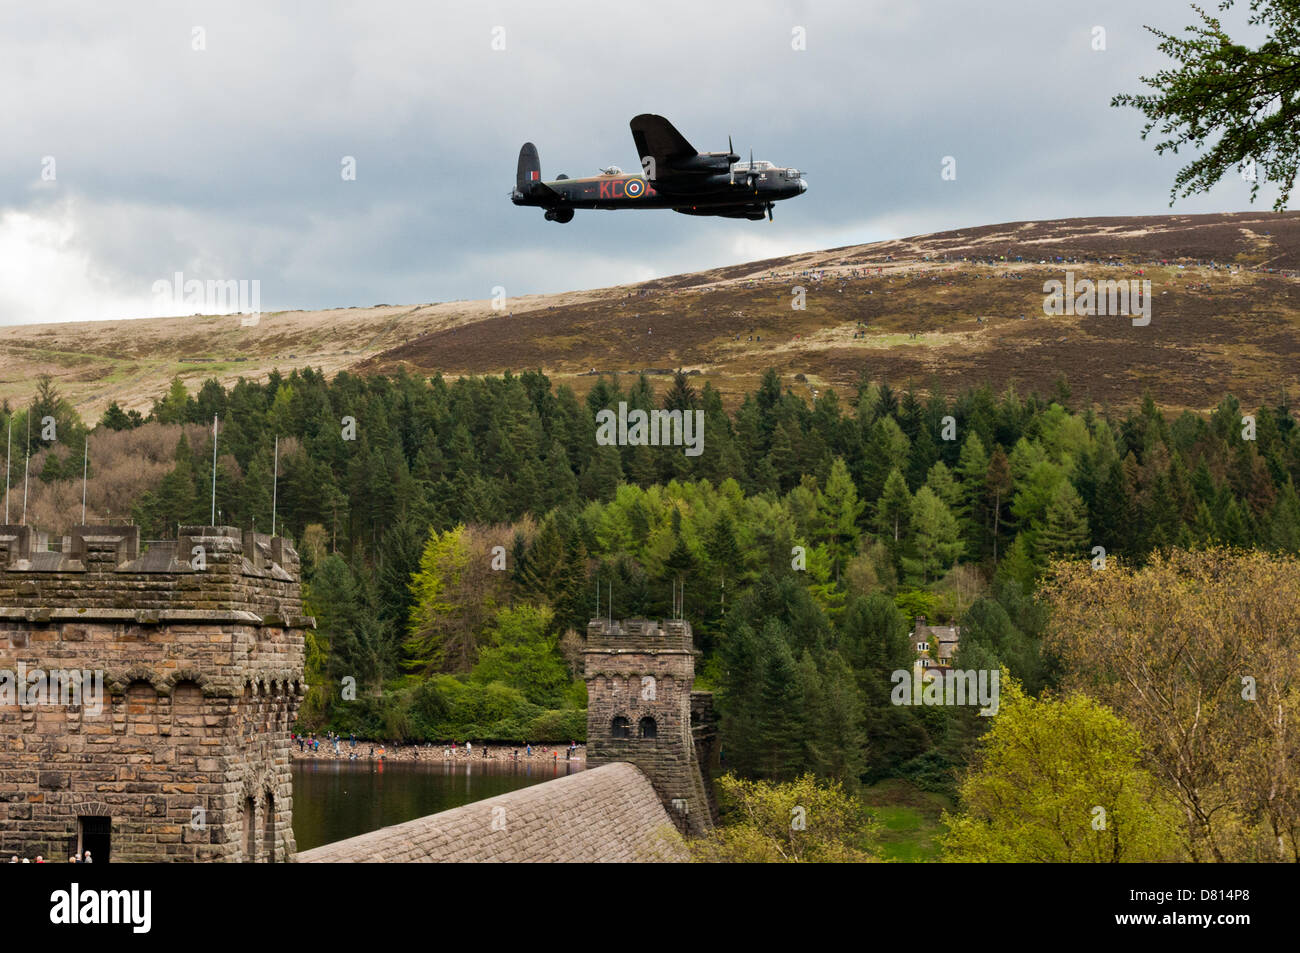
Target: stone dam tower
x,y
199,643
641,709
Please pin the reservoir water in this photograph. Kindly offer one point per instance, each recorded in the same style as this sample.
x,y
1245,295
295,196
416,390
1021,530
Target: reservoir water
x,y
333,800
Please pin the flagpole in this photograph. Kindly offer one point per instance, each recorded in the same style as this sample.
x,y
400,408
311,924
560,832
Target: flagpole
x,y
275,474
214,469
8,447
27,462
85,459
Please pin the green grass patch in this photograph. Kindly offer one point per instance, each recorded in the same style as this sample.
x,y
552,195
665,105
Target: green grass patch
x,y
908,818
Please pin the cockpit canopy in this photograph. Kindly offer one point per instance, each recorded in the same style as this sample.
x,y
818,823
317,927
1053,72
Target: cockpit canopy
x,y
760,165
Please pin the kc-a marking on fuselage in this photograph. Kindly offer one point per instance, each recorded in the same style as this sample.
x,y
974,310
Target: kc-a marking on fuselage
x,y
674,175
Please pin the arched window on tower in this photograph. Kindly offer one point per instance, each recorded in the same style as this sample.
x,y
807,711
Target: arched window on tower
x,y
620,727
648,727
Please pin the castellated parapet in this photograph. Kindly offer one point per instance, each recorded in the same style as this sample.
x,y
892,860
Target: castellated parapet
x,y
639,676
199,642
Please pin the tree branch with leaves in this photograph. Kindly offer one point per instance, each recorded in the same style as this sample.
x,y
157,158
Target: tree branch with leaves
x,y
1247,100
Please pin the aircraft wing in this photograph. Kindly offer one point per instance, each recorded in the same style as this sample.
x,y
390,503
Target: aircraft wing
x,y
660,143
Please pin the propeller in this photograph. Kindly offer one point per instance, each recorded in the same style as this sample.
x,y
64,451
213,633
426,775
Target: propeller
x,y
750,175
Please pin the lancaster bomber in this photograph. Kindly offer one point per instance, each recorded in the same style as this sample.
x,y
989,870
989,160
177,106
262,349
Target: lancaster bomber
x,y
674,175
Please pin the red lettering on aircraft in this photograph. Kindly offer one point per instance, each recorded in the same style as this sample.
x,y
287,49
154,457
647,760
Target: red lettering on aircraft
x,y
604,190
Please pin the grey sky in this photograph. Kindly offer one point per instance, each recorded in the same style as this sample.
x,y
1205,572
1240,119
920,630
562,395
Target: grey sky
x,y
225,162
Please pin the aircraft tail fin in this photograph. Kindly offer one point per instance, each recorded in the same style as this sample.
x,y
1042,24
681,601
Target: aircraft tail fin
x,y
529,173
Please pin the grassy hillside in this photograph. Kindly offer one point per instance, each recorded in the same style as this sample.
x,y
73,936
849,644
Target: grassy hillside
x,y
952,308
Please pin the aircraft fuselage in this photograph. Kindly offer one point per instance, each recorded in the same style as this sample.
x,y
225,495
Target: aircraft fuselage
x,y
677,176
635,191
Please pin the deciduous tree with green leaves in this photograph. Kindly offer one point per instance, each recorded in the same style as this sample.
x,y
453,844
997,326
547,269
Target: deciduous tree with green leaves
x,y
1059,780
803,820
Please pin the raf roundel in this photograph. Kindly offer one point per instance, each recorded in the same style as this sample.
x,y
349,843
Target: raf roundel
x,y
634,188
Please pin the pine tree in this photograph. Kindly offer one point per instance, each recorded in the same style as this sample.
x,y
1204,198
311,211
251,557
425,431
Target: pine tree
x,y
922,457
540,576
573,600
783,458
1204,529
782,724
1018,564
1234,530
1065,528
935,539
560,485
874,639
724,555
888,449
940,480
1110,513
740,700
174,501
681,396
837,515
972,472
439,639
115,418
398,560
681,561
1284,522
175,407
603,474
766,399
894,510
1160,520
249,502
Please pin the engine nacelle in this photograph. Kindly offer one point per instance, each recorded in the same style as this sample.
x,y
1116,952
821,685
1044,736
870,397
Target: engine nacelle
x,y
706,162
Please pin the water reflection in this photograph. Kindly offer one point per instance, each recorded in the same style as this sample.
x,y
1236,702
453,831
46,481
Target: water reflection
x,y
333,800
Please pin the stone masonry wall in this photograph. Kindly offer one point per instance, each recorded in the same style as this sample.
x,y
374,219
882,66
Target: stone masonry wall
x,y
200,645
